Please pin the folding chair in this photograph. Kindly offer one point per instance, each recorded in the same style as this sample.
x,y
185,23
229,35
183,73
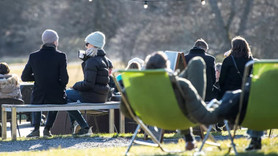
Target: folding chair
x,y
150,100
261,112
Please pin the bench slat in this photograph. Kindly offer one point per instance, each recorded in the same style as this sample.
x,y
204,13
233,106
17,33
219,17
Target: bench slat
x,y
61,107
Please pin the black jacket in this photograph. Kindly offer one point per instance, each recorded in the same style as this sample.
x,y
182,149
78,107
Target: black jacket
x,y
230,79
210,69
48,68
94,87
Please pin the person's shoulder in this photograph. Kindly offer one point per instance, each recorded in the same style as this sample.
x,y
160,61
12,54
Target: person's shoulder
x,y
60,53
10,79
14,77
209,56
227,60
35,52
4,76
186,54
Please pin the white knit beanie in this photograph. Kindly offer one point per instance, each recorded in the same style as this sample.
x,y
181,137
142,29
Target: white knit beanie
x,y
96,39
49,36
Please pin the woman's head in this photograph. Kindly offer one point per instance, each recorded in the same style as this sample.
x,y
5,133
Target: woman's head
x,y
157,60
4,68
134,65
240,47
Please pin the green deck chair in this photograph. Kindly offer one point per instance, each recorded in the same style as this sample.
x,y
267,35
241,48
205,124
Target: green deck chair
x,y
262,108
151,96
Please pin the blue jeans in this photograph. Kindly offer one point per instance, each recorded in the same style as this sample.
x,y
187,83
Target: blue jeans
x,y
255,134
36,119
74,96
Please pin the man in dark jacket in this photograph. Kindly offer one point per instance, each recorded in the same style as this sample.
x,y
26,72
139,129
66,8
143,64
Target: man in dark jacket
x,y
95,66
200,48
48,68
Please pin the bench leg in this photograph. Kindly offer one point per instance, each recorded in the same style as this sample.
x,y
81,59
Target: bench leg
x,y
13,123
111,120
4,124
122,123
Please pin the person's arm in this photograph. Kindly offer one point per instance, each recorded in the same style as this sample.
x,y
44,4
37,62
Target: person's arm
x,y
123,107
223,74
213,72
90,73
64,77
27,73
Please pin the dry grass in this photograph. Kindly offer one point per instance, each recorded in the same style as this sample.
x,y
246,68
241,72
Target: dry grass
x,y
74,71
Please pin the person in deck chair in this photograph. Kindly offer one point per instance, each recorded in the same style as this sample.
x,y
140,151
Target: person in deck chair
x,y
190,101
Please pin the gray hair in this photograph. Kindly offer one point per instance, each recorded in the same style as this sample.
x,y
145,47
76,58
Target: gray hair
x,y
201,43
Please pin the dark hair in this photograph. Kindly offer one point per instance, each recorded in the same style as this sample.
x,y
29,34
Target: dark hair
x,y
201,43
156,60
4,68
240,47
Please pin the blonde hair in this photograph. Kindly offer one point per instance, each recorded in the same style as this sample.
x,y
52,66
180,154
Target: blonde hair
x,y
201,43
134,65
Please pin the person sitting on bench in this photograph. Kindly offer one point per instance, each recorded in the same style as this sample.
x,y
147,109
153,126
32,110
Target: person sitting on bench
x,y
9,84
9,87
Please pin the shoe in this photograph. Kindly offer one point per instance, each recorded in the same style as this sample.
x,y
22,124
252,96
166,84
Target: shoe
x,y
43,120
255,144
218,129
34,133
84,132
190,146
46,133
76,129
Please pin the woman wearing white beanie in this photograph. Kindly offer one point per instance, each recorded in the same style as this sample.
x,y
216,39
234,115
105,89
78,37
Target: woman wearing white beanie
x,y
94,87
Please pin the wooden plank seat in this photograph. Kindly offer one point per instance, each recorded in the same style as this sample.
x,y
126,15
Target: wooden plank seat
x,y
14,109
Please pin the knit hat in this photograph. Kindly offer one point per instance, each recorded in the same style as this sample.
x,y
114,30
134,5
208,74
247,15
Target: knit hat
x,y
49,36
96,39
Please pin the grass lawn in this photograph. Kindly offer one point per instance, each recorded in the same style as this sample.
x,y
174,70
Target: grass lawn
x,y
269,147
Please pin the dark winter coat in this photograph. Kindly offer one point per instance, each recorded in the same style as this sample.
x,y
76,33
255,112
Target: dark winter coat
x,y
210,69
229,78
48,68
94,87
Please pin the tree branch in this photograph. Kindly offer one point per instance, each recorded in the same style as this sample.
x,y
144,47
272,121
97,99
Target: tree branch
x,y
244,16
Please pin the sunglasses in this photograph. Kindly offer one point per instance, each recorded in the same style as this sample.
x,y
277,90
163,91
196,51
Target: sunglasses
x,y
86,44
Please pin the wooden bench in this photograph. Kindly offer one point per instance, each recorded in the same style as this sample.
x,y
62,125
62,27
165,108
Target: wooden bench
x,y
111,106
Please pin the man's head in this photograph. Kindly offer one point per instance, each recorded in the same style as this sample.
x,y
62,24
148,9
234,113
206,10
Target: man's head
x,y
157,60
202,44
50,36
4,68
96,39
